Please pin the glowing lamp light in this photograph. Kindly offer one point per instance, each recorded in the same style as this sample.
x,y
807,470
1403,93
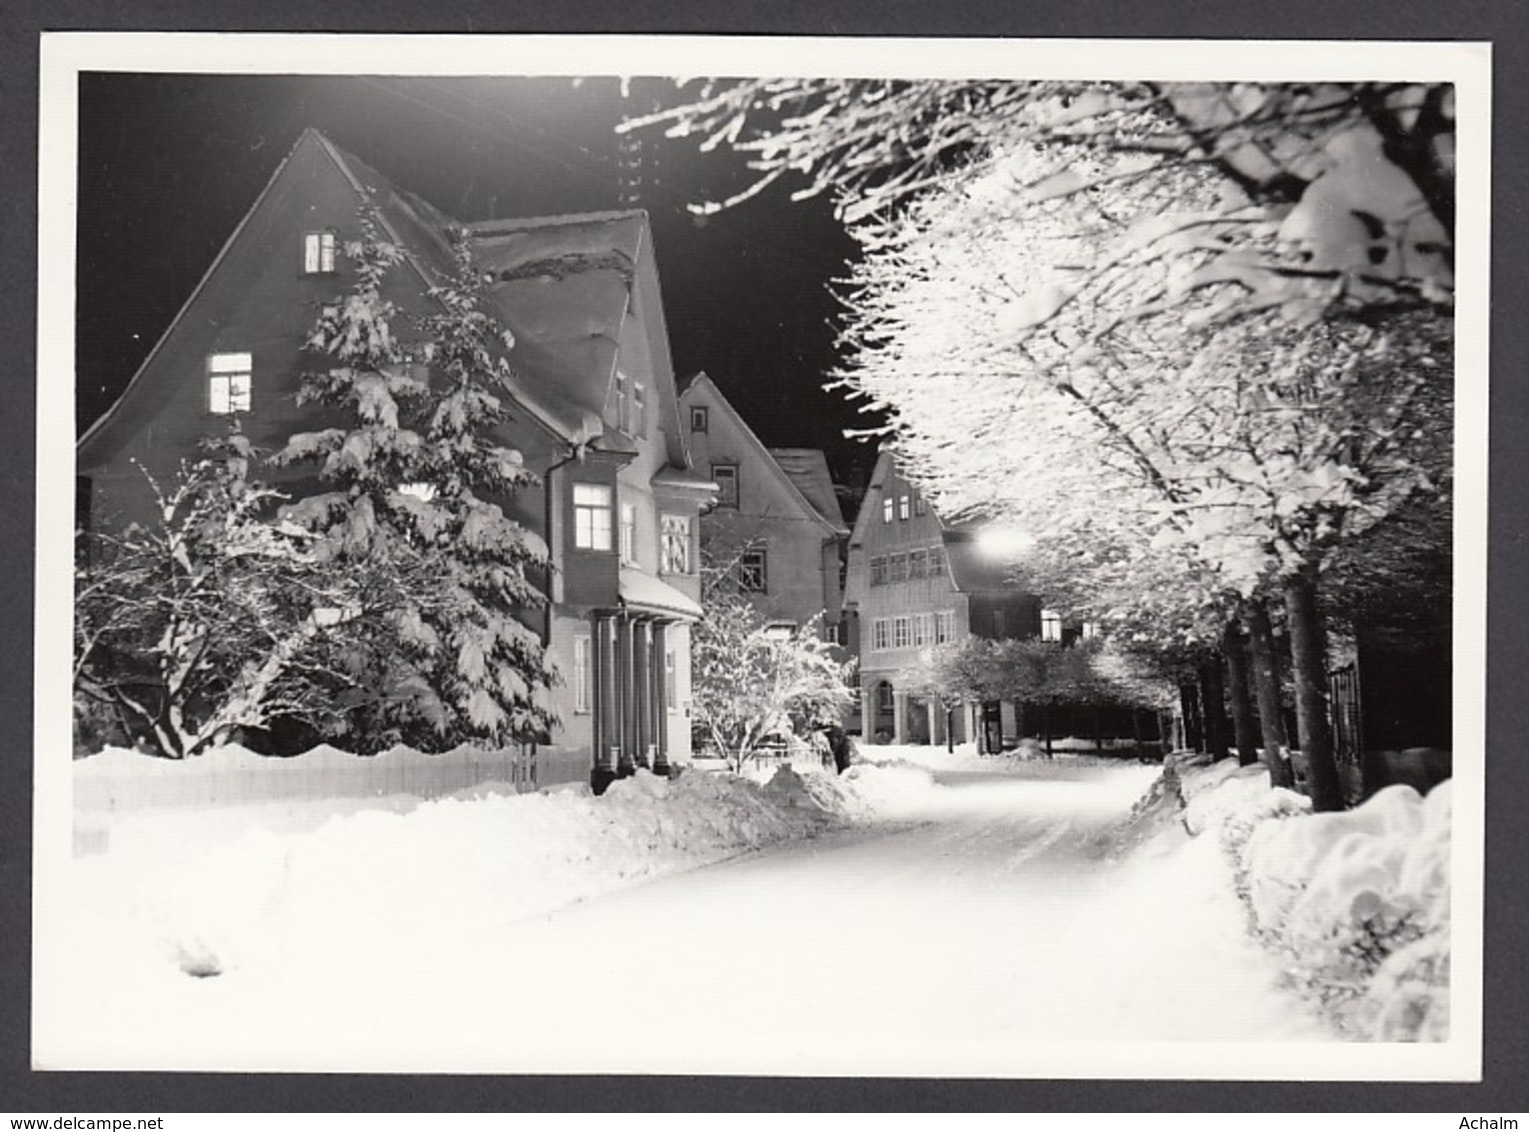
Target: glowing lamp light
x,y
1005,542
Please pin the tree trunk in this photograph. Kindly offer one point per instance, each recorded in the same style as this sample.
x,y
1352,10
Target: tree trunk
x,y
950,729
1266,680
1189,703
1308,659
1213,707
1244,722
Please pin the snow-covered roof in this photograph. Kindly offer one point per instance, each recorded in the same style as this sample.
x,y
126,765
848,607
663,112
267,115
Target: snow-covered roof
x,y
808,470
643,592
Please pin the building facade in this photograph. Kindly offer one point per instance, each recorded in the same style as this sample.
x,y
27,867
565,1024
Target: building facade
x,y
913,582
777,523
594,410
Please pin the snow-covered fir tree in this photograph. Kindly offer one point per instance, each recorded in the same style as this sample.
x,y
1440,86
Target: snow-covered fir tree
x,y
415,484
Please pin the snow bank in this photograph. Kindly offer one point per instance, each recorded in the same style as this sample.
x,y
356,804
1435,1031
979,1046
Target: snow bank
x,y
1358,902
216,891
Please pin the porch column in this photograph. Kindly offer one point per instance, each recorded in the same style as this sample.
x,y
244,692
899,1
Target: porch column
x,y
936,716
899,716
867,712
642,687
603,718
660,666
626,718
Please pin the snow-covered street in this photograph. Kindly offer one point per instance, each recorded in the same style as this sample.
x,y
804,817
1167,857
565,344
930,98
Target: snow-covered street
x,y
951,918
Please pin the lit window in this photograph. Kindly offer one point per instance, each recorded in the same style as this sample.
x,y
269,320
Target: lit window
x,y
923,629
1051,625
900,632
581,673
629,532
903,507
229,380
752,574
318,252
879,634
676,549
591,516
1090,630
420,490
726,477
699,418
886,510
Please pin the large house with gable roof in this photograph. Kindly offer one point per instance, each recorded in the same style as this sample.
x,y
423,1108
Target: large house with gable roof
x,y
594,410
777,522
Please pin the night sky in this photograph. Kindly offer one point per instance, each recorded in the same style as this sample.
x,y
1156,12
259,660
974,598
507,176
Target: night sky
x,y
169,164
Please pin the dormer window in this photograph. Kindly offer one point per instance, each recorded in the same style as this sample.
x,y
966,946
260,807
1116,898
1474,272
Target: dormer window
x,y
229,381
318,253
699,418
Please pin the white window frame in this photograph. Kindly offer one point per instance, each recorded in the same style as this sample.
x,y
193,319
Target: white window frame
x,y
700,419
881,634
1051,625
230,382
902,632
319,250
674,540
904,507
628,538
583,672
671,681
728,473
886,509
944,626
592,507
923,629
746,571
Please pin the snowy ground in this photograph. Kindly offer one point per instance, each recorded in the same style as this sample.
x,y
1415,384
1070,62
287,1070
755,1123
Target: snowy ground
x,y
934,914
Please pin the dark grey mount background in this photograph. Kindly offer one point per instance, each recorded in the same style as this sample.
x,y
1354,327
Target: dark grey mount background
x,y
1506,1085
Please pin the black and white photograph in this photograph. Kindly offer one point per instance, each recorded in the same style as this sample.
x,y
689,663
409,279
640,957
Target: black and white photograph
x,y
951,559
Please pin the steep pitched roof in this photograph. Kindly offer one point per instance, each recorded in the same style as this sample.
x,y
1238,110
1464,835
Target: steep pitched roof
x,y
971,568
828,517
567,286
808,469
423,231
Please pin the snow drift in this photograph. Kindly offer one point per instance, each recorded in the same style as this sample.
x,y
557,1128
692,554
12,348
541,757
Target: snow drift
x,y
1357,902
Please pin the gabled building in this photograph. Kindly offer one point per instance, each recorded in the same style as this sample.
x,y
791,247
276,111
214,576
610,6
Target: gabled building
x,y
594,410
777,519
913,582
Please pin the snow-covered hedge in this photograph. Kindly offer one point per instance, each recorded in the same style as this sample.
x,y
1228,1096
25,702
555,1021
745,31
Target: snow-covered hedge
x,y
1358,901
